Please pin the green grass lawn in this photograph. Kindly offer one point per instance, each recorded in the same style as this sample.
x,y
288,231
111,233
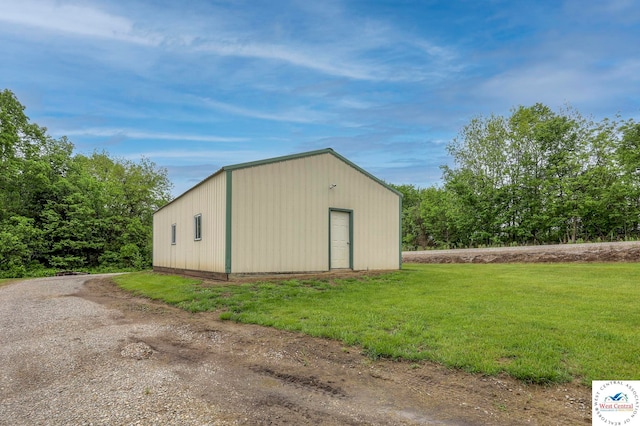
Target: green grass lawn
x,y
541,323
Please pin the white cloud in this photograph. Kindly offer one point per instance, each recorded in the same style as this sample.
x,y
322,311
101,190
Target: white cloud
x,y
353,57
73,19
345,51
135,134
296,115
185,156
200,155
554,84
354,103
621,11
303,56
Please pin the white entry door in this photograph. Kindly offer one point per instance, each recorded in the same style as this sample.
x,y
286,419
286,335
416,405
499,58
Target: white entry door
x,y
340,244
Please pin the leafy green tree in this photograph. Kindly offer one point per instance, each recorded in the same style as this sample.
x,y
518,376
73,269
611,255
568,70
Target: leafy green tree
x,y
69,211
540,176
413,233
131,191
438,210
628,156
20,145
20,244
478,178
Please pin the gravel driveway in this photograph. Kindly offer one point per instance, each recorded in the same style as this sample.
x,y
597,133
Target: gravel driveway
x,y
67,360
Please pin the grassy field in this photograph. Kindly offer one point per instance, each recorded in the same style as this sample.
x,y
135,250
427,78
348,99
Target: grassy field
x,y
541,323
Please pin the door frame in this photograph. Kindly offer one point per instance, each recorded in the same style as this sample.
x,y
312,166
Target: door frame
x,y
350,212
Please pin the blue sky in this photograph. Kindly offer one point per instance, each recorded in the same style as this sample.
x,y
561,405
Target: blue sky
x,y
197,85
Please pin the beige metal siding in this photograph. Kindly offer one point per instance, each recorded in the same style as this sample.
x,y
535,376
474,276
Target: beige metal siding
x,y
208,254
280,216
376,217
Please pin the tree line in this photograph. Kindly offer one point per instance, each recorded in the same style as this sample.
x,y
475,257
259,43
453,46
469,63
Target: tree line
x,y
66,211
535,177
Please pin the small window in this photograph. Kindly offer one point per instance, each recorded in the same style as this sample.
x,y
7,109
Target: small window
x,y
173,234
197,221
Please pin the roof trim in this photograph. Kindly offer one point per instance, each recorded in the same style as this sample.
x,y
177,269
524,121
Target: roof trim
x,y
285,158
310,154
278,159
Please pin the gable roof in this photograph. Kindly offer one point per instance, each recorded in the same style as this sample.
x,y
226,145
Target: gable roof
x,y
286,158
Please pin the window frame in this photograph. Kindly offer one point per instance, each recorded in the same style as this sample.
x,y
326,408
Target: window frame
x,y
173,234
197,227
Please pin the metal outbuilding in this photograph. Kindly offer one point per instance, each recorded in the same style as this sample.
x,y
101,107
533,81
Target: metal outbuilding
x,y
309,212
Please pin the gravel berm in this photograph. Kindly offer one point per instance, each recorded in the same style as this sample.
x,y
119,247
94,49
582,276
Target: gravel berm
x,y
628,251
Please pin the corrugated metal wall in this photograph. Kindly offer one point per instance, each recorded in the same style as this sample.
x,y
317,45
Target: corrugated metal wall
x,y
280,216
208,254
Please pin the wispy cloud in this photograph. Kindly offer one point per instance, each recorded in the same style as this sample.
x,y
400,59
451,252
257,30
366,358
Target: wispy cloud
x,y
219,157
302,56
295,115
227,81
180,157
352,56
563,80
338,61
624,12
73,19
145,135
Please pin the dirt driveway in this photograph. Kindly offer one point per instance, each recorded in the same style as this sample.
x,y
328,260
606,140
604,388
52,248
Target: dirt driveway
x,y
77,350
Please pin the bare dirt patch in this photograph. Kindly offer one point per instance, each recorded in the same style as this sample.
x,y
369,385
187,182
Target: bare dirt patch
x,y
262,376
589,252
